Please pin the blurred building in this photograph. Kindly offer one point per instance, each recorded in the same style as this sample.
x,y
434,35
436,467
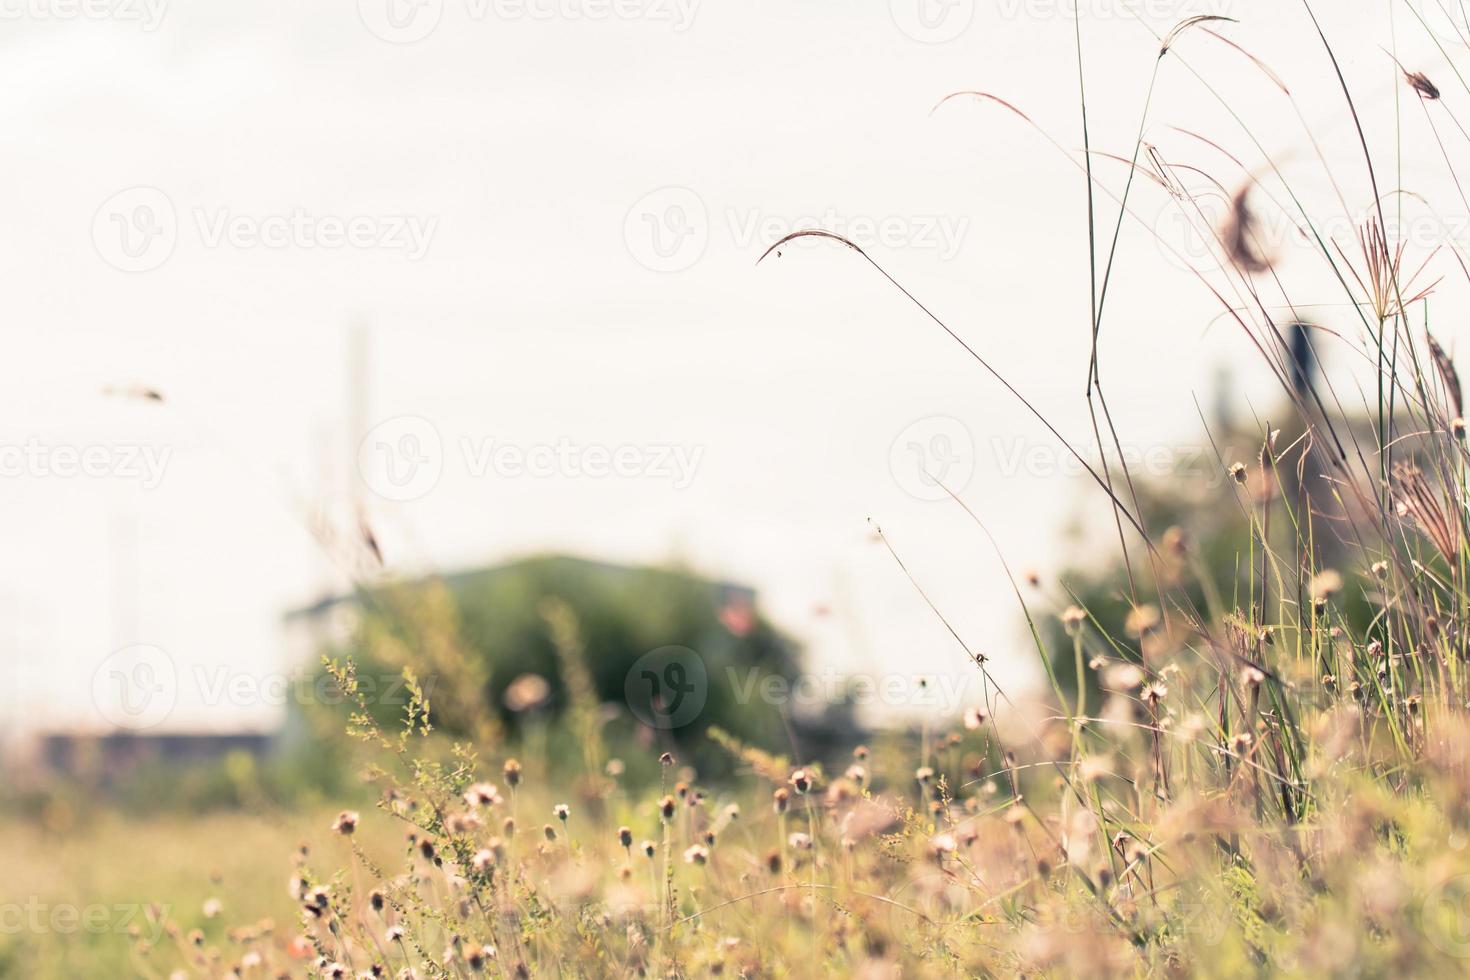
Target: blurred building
x,y
105,759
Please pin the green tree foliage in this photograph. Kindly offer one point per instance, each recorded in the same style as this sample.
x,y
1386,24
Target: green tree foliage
x,y
471,636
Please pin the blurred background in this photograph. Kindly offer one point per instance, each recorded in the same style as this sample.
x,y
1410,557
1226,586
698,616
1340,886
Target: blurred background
x,y
447,309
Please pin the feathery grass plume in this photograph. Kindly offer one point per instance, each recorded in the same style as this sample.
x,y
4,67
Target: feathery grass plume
x,y
1389,292
1267,458
1239,234
773,768
369,538
1420,83
1186,24
1416,500
1448,376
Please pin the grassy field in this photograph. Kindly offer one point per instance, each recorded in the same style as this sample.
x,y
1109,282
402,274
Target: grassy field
x,y
1058,864
75,894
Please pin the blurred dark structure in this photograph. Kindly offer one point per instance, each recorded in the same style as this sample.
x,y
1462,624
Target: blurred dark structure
x,y
1303,359
109,758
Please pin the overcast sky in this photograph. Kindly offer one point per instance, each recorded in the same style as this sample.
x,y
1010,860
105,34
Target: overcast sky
x,y
545,216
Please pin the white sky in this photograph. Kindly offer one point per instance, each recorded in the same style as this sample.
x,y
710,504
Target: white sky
x,y
528,147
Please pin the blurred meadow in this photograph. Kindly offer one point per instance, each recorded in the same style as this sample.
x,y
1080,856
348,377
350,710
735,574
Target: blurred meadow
x,y
919,489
